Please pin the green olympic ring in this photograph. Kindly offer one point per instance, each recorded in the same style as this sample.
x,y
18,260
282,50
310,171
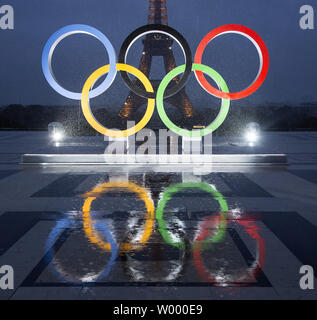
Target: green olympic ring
x,y
167,195
225,103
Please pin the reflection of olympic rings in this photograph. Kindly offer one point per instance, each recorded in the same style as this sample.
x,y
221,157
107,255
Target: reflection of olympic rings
x,y
104,188
263,55
156,28
167,195
54,40
215,224
140,271
252,271
92,120
148,91
56,233
200,132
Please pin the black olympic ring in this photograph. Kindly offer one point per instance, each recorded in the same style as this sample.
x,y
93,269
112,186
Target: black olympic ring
x,y
156,28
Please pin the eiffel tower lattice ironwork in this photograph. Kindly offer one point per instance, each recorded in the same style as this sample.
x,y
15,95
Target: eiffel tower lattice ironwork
x,y
157,45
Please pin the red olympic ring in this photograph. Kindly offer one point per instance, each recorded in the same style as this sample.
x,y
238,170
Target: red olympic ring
x,y
262,51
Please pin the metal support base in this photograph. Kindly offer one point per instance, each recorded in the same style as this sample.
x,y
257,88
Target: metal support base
x,y
144,159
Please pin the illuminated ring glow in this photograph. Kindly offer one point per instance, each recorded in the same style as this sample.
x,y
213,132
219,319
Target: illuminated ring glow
x,y
156,28
104,188
55,39
57,231
167,195
85,105
263,55
253,231
225,103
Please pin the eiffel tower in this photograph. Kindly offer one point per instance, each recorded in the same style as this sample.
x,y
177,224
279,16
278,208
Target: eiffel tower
x,y
157,45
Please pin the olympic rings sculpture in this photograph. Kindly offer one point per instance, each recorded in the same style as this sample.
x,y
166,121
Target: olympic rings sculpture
x,y
199,69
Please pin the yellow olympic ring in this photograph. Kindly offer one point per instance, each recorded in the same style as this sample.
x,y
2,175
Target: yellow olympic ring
x,y
104,188
85,105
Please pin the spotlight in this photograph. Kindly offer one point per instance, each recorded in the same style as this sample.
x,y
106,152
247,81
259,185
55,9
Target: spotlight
x,y
57,136
56,131
252,133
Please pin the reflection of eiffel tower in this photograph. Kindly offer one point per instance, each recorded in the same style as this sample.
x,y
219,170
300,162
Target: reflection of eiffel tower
x,y
157,45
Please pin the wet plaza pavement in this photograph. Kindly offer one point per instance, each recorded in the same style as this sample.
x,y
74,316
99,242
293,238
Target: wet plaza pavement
x,y
158,232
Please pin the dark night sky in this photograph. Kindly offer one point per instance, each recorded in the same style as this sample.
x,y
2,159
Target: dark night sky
x,y
293,52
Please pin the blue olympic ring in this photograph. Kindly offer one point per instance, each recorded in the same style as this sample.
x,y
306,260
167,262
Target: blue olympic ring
x,y
54,40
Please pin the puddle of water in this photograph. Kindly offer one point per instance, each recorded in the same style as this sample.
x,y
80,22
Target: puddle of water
x,y
153,230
